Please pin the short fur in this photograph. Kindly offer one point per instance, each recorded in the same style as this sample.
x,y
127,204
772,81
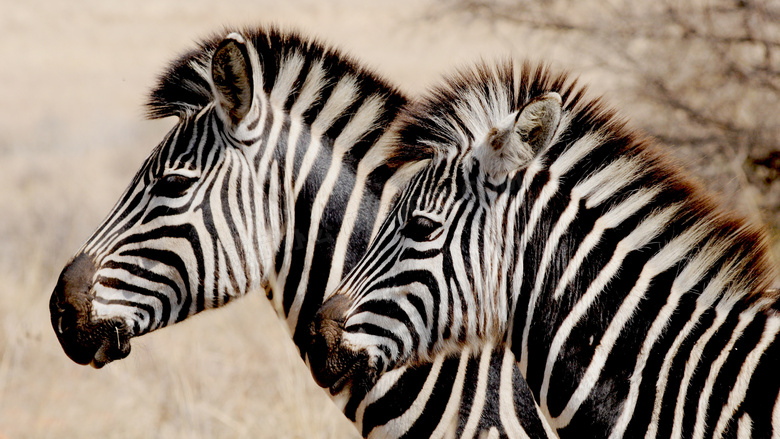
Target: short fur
x,y
439,120
600,249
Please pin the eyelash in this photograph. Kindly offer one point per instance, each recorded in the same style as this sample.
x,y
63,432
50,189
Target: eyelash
x,y
172,186
420,228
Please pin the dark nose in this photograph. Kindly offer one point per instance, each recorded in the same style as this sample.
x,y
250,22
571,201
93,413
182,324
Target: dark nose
x,y
334,364
71,307
326,358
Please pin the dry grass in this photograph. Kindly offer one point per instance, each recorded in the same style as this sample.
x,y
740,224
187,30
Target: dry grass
x,y
71,137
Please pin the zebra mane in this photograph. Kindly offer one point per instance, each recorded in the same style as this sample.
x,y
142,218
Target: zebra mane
x,y
184,88
469,103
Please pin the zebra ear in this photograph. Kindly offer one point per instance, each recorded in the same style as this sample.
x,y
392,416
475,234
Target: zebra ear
x,y
516,140
232,75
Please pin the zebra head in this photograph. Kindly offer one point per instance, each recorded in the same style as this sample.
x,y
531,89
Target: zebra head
x,y
424,286
181,239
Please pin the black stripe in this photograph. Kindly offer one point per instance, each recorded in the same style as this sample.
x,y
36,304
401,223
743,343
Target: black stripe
x,y
396,401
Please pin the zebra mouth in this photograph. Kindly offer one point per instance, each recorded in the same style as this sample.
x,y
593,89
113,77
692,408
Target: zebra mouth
x,y
85,338
112,348
343,370
334,364
96,343
331,365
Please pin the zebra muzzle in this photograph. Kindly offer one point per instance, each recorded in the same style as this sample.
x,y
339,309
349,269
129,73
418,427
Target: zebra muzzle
x,y
333,364
94,343
85,341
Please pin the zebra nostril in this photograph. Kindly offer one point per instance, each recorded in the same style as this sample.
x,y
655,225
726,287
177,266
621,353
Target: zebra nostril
x,y
70,307
66,318
332,364
71,295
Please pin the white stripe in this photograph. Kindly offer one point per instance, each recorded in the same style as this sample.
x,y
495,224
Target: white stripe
x,y
536,212
289,70
497,309
550,248
692,274
221,225
363,119
514,207
397,427
643,234
744,427
703,303
469,297
611,219
608,181
343,95
776,418
272,141
666,258
378,391
506,400
449,420
699,427
367,115
721,312
479,394
393,326
738,392
240,238
457,323
309,95
351,215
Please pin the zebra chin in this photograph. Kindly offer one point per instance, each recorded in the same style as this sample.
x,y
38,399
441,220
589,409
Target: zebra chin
x,y
333,364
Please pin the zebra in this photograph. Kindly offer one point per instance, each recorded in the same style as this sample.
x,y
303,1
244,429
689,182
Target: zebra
x,y
636,304
274,179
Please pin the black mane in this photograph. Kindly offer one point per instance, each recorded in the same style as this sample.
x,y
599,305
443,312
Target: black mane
x,y
438,119
184,88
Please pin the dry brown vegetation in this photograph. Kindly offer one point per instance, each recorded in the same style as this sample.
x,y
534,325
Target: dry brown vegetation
x,y
71,137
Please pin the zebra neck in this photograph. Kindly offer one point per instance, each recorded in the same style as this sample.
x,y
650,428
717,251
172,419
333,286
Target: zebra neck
x,y
327,202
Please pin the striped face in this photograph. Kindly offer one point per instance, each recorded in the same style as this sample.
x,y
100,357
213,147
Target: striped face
x,y
415,293
182,238
427,283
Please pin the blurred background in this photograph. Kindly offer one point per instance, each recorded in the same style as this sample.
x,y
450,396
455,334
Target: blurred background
x,y
701,76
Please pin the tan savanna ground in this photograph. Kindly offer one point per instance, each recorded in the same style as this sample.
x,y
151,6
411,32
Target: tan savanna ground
x,y
73,79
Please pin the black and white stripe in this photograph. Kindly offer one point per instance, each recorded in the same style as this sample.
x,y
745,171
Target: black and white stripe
x,y
465,395
274,179
635,304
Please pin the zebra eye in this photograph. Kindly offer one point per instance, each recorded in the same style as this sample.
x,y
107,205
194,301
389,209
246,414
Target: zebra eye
x,y
172,186
420,228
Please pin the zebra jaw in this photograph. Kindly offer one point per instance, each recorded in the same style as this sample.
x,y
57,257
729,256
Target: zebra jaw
x,y
86,342
108,352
